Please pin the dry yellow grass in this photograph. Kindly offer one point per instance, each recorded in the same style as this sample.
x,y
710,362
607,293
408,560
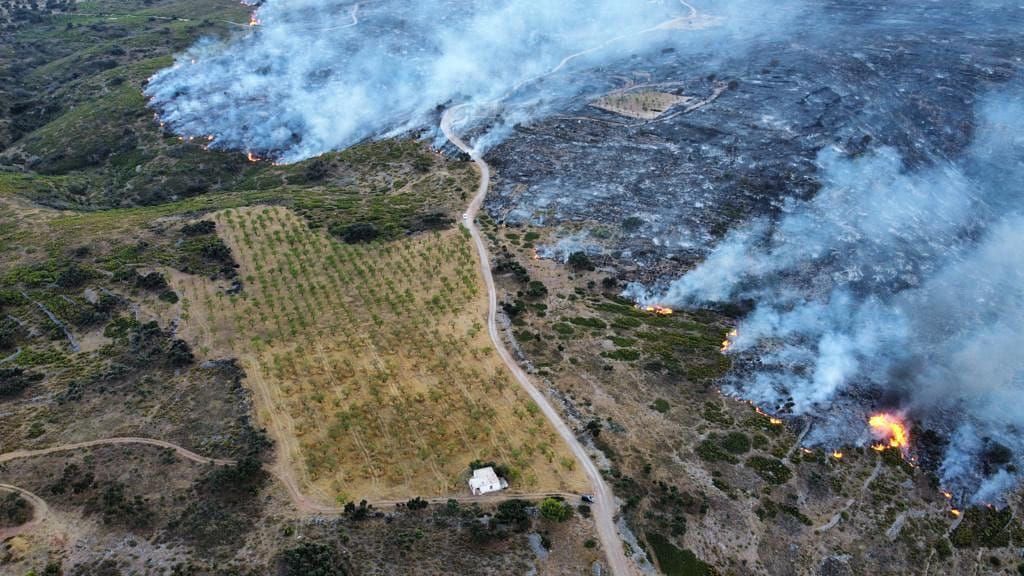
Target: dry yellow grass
x,y
371,363
641,104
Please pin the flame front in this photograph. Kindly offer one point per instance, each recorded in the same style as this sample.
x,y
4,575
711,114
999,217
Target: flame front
x,y
727,343
659,310
837,455
771,419
890,430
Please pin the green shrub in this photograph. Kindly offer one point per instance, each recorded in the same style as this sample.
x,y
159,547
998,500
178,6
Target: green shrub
x,y
622,354
661,405
311,559
588,322
770,469
555,509
736,443
674,561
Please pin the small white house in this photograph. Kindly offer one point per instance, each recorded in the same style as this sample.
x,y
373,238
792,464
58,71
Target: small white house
x,y
485,480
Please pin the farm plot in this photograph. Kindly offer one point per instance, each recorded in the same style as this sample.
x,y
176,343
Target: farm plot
x,y
371,362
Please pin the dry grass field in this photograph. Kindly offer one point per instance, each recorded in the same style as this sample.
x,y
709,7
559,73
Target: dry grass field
x,y
370,362
641,104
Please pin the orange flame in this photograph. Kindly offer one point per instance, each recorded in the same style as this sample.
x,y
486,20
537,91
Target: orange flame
x,y
659,310
771,419
837,455
955,513
948,495
252,157
890,430
727,343
254,21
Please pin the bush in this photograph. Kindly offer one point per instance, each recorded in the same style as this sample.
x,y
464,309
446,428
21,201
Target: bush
x,y
154,281
199,228
513,513
580,261
311,559
676,562
622,354
417,503
14,380
632,224
770,469
14,510
588,322
555,509
536,289
736,443
359,232
661,405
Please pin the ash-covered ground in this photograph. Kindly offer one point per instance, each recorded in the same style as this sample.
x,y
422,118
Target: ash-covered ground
x,y
903,75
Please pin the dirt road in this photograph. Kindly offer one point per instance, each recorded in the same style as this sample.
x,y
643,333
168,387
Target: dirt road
x,y
183,452
604,506
39,512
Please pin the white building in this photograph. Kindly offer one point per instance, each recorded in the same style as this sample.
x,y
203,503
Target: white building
x,y
485,480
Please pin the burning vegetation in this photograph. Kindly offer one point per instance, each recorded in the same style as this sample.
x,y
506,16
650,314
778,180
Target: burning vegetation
x,y
729,339
659,310
890,431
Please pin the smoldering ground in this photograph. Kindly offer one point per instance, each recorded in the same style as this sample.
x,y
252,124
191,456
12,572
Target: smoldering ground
x,y
893,288
318,75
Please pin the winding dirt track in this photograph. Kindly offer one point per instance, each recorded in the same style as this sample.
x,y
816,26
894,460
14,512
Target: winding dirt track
x,y
183,452
604,507
39,512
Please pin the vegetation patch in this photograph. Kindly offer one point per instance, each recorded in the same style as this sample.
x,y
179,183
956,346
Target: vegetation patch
x,y
674,561
771,470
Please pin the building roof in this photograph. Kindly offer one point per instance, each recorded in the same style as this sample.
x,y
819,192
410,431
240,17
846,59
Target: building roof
x,y
486,475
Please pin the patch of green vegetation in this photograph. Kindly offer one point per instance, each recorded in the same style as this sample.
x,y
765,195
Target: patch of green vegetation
x,y
711,450
311,559
563,328
674,561
622,342
588,322
555,509
770,509
985,527
713,413
661,405
622,355
627,323
14,510
771,470
736,443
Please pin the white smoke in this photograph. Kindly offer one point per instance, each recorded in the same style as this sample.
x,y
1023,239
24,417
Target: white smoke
x,y
321,75
895,284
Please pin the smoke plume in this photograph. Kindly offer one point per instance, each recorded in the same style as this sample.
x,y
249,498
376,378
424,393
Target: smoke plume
x,y
312,76
892,289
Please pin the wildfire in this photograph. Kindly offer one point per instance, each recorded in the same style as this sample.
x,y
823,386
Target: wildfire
x,y
771,419
890,430
947,495
252,157
254,21
837,455
659,310
727,343
955,513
